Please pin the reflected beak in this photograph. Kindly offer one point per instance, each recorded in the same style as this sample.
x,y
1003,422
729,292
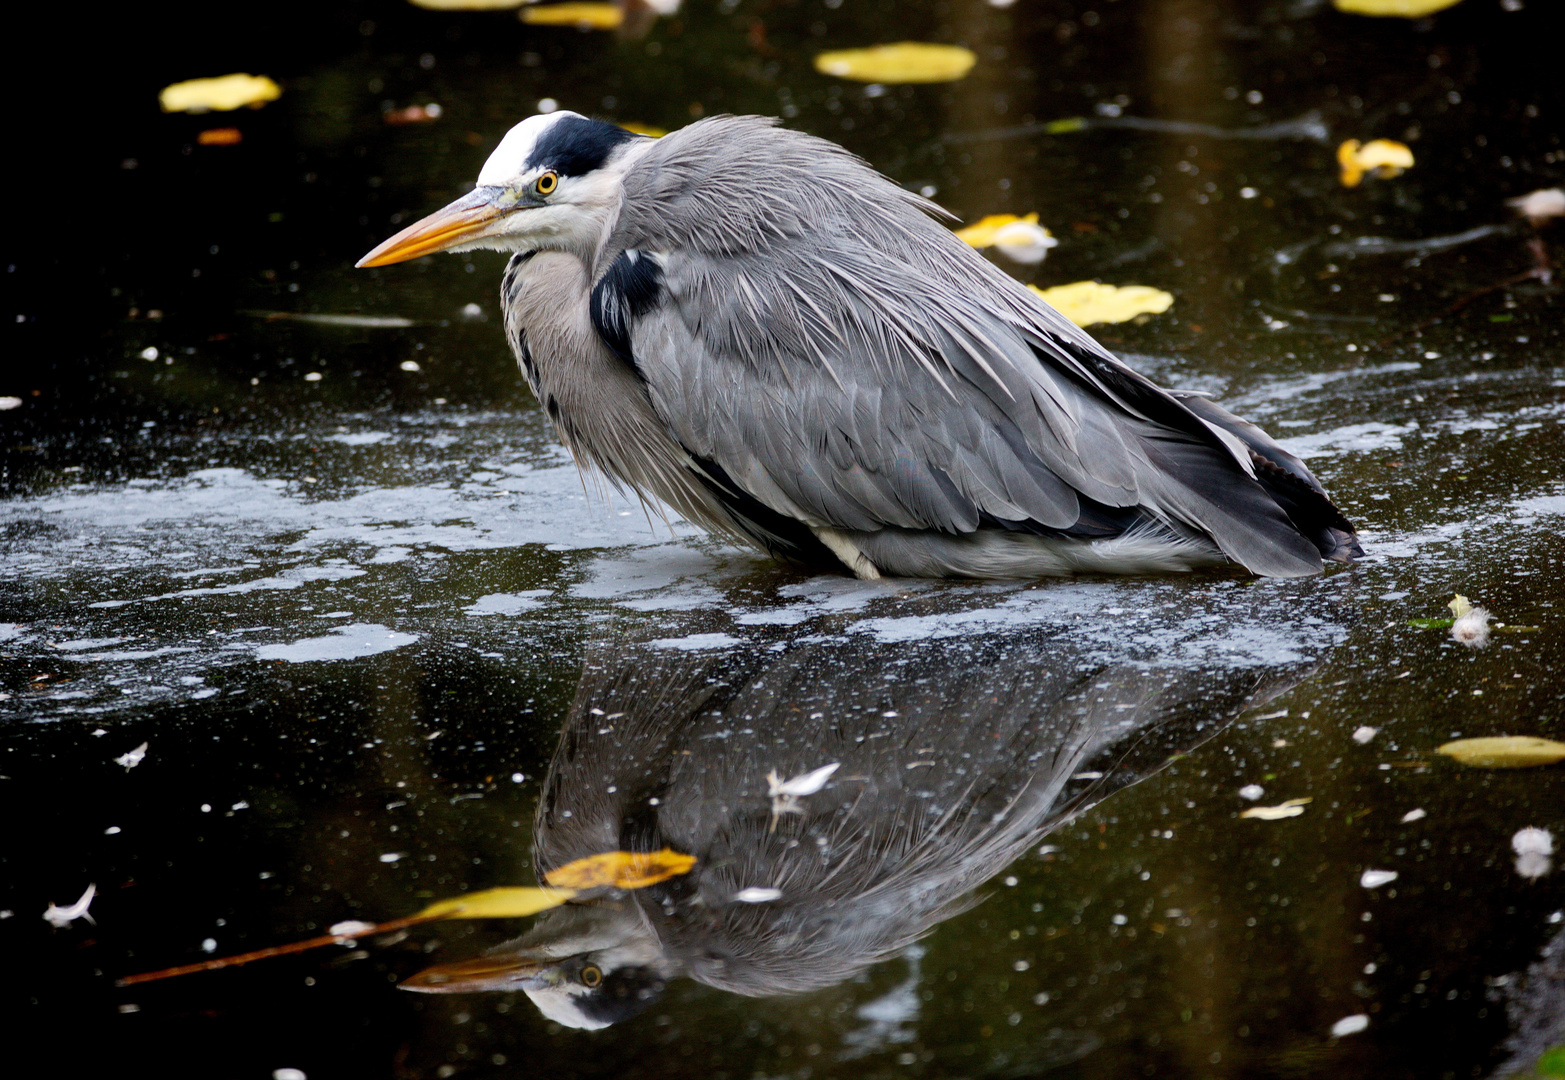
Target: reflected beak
x,y
472,217
504,972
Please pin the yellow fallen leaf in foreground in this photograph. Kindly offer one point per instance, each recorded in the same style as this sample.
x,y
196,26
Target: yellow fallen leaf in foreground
x,y
223,93
1402,9
903,62
1291,808
1088,302
593,16
1505,751
621,869
982,233
1380,157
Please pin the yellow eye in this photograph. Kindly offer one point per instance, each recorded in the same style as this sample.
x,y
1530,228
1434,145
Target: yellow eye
x,y
591,975
545,185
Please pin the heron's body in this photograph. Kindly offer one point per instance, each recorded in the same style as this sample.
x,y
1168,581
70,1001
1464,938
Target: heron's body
x,y
754,327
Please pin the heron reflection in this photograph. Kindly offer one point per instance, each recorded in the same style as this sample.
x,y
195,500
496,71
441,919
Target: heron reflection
x,y
842,799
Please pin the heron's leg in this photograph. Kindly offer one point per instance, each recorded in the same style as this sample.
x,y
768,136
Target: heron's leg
x,y
848,552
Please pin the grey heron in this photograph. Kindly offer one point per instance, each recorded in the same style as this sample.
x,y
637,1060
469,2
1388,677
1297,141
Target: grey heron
x,y
922,770
753,326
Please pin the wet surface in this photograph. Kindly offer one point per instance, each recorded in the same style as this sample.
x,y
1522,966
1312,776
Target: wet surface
x,y
351,615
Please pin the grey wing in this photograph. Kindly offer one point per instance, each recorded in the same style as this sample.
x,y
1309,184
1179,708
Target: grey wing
x,y
851,392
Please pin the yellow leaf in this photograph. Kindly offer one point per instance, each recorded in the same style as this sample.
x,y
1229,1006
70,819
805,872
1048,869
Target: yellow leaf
x,y
982,234
588,15
903,62
505,903
1291,808
621,869
1402,9
1088,302
222,94
1460,605
1505,751
645,129
1381,157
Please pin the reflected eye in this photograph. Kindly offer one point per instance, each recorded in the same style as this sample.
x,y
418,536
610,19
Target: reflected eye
x,y
591,975
545,185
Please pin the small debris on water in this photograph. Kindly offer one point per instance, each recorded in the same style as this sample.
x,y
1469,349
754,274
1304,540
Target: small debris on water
x,y
1364,734
1533,847
1291,808
1413,815
131,758
60,918
1350,1025
1251,792
1374,879
1539,206
409,365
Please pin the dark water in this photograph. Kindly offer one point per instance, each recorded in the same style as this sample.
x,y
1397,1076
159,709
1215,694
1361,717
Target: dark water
x,y
351,615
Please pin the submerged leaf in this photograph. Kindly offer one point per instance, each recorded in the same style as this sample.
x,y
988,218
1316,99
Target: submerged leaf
x,y
903,62
1291,808
621,869
1401,9
1381,158
221,94
503,903
588,15
1505,751
1088,302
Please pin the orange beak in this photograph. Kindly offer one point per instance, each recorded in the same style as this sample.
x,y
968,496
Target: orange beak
x,y
513,972
472,217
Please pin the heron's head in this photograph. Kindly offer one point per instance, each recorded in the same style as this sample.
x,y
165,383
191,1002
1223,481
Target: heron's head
x,y
553,183
584,966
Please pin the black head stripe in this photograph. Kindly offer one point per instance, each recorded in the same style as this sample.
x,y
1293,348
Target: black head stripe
x,y
575,145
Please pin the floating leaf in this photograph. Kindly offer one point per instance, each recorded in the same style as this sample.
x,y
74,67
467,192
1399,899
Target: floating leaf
x,y
903,62
224,136
1291,808
1381,158
1401,9
1088,302
586,15
1505,751
1431,624
504,903
621,869
1020,238
982,233
1460,605
221,94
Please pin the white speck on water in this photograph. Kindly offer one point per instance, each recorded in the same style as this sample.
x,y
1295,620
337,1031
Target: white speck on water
x,y
131,758
1533,841
393,856
803,784
149,353
1350,1025
8,403
60,918
350,928
360,438
472,311
1413,815
240,805
313,376
1251,792
1374,879
1119,920
696,642
1364,734
1248,193
517,778
209,945
288,1074
409,365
